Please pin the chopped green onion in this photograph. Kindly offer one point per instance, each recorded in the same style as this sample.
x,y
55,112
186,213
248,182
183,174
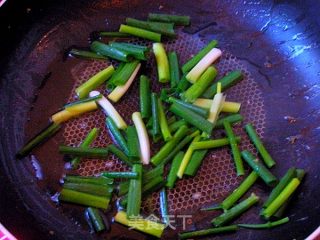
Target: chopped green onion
x,y
203,64
96,219
186,158
67,195
166,134
195,162
206,144
259,168
169,146
226,82
110,110
259,145
138,32
194,60
89,180
201,111
232,119
192,118
235,211
162,62
143,137
216,107
117,135
89,188
95,81
40,138
129,175
172,176
174,69
124,74
176,19
134,50
165,29
155,115
265,225
183,84
197,89
119,91
229,107
209,231
239,191
86,54
92,135
140,224
114,34
85,100
175,125
112,52
145,97
84,152
281,198
133,142
235,149
121,155
134,195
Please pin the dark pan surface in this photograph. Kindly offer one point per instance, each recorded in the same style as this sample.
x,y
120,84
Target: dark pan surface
x,y
276,42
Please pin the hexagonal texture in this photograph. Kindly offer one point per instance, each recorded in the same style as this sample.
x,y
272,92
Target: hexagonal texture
x,y
216,177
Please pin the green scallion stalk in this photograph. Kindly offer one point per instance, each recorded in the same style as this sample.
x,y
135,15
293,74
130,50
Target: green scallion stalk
x,y
121,155
212,208
86,54
194,60
145,97
266,225
186,158
164,206
195,162
114,34
92,135
239,191
165,29
134,195
88,180
155,115
284,181
143,137
67,195
119,91
176,125
281,198
125,73
235,211
176,19
85,100
172,176
131,49
166,134
198,110
234,147
169,146
112,52
89,188
84,152
96,219
215,143
174,69
95,81
40,138
259,168
259,145
232,119
117,135
133,143
130,175
209,231
140,224
197,89
126,45
138,32
183,84
192,118
226,82
162,62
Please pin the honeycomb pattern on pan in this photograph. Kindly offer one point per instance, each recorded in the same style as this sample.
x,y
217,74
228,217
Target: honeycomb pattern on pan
x,y
216,176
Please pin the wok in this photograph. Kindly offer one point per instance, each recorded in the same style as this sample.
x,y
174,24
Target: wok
x,y
277,42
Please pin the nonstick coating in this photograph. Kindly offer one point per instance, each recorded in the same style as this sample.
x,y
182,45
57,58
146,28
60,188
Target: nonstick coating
x,y
276,41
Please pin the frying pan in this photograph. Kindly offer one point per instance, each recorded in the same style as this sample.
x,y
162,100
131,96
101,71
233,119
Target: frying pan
x,y
275,41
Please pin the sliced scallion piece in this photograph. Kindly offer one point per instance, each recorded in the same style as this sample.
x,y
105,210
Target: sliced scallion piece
x,y
177,19
108,51
162,62
142,33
